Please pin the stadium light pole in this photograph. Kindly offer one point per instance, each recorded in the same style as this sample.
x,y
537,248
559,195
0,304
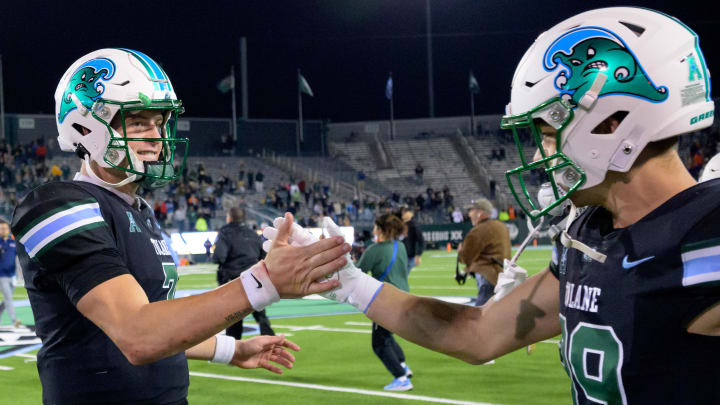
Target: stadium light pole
x,y
2,103
244,77
431,95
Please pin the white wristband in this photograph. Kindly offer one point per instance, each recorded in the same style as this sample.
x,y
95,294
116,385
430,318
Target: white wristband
x,y
259,289
366,289
224,349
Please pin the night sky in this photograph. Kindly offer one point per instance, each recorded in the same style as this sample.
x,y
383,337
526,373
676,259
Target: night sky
x,y
345,49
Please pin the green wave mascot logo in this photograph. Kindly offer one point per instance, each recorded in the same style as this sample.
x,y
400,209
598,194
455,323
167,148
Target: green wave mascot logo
x,y
86,84
582,53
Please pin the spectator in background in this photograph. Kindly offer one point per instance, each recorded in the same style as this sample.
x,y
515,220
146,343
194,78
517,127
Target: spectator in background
x,y
414,241
484,248
41,151
208,246
7,272
360,181
251,181
179,216
237,248
493,186
457,215
386,260
419,170
201,224
259,178
56,172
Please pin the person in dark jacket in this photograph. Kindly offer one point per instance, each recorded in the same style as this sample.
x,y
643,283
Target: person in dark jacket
x,y
237,248
414,242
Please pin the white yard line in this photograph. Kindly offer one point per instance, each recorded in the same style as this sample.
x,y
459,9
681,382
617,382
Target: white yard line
x,y
339,389
359,323
6,368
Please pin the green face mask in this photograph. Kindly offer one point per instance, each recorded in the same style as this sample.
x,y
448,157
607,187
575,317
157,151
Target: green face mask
x,y
154,174
157,175
526,132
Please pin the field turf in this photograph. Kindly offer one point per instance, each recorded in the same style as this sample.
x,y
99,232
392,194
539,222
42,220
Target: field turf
x,y
337,364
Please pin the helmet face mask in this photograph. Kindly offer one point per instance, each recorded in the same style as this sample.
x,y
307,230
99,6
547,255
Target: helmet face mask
x,y
99,91
154,174
555,113
609,81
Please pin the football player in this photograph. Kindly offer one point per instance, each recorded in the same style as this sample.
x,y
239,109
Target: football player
x,y
99,275
633,282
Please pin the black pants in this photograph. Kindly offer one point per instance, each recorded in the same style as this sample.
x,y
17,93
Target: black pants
x,y
387,349
236,330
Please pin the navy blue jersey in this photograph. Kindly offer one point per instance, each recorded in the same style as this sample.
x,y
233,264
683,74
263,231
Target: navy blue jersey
x,y
624,322
72,236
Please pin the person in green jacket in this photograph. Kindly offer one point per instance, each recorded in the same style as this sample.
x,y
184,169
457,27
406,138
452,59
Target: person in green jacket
x,y
386,260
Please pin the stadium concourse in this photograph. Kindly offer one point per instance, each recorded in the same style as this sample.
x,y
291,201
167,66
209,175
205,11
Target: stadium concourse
x,y
458,167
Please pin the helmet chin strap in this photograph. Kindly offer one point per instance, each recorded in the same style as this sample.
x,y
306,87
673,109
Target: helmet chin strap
x,y
571,243
91,173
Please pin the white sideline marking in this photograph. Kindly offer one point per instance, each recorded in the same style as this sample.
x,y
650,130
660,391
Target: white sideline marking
x,y
29,356
6,368
321,328
359,323
339,389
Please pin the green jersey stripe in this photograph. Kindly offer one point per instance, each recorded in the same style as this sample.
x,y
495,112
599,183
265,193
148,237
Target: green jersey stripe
x,y
52,212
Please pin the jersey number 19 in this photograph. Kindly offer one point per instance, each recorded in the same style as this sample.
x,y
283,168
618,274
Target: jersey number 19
x,y
595,361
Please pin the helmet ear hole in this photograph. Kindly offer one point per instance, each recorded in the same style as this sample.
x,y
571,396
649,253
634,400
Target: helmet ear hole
x,y
610,124
81,129
637,30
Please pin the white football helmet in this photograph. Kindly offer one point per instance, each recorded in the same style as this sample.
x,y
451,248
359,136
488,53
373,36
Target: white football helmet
x,y
98,87
640,67
712,169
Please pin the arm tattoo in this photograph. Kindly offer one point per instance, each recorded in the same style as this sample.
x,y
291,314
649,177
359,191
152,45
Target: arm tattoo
x,y
237,316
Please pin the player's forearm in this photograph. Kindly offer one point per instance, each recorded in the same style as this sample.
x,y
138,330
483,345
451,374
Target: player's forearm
x,y
440,326
203,350
164,328
473,334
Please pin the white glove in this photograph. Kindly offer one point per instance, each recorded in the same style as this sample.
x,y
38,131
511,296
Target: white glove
x,y
299,236
356,288
511,277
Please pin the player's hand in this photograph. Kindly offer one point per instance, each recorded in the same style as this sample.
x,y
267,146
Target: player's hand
x,y
417,260
294,270
511,277
263,351
356,288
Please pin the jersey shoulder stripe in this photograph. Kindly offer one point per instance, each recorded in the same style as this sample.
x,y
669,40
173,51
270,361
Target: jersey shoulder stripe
x,y
54,228
52,213
701,262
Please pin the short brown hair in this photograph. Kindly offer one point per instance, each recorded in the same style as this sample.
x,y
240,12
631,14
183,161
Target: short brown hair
x,y
237,214
390,225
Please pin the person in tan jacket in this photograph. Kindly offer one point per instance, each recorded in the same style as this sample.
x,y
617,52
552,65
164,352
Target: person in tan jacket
x,y
484,248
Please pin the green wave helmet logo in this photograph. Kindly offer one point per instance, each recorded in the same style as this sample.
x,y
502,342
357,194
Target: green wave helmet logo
x,y
582,53
86,84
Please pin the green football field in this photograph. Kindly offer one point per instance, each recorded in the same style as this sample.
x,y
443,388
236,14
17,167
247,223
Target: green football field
x,y
337,364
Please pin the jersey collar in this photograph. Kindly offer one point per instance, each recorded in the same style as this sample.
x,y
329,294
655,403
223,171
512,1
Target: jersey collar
x,y
133,201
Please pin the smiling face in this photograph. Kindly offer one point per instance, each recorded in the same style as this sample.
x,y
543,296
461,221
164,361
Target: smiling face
x,y
145,124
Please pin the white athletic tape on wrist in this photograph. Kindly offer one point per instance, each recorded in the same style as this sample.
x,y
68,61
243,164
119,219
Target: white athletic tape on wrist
x,y
224,349
259,289
366,289
511,277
